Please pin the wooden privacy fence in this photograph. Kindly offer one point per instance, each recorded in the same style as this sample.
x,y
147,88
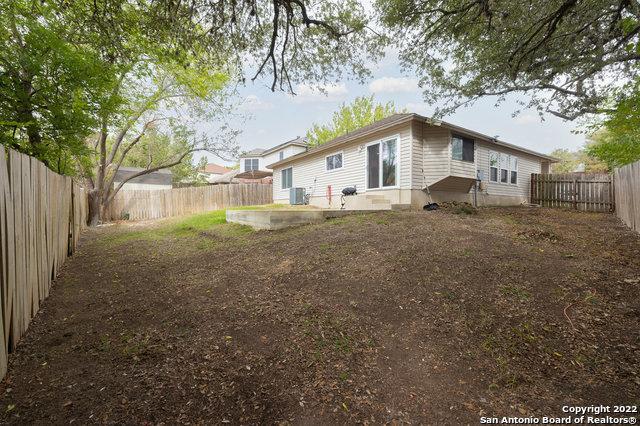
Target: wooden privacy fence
x,y
627,185
154,204
41,216
580,191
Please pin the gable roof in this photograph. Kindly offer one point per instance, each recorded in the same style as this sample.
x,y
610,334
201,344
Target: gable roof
x,y
395,120
159,177
297,141
255,152
259,152
215,169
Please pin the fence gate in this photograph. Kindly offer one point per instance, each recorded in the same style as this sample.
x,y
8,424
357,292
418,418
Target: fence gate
x,y
579,191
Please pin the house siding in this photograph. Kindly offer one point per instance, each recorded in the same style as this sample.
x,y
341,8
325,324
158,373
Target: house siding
x,y
436,154
527,164
310,173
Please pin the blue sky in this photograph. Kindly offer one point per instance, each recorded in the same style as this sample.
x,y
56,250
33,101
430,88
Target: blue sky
x,y
274,117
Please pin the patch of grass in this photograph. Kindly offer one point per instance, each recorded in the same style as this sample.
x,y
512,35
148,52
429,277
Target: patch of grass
x,y
517,292
187,227
464,209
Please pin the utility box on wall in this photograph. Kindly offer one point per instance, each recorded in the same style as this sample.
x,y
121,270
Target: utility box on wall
x,y
296,196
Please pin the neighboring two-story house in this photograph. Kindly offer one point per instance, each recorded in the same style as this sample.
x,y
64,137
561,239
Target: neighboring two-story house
x,y
259,159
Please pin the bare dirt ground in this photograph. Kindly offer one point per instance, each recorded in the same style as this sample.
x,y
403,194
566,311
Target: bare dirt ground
x,y
426,317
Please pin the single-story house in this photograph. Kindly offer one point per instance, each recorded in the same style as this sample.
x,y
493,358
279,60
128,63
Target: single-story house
x,y
160,179
258,158
399,160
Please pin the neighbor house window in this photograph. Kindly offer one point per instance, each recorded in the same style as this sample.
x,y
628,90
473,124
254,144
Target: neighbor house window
x,y
334,161
287,178
504,168
462,149
281,155
494,162
382,167
250,164
513,167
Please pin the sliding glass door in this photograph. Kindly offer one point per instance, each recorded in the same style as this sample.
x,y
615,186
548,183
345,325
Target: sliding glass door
x,y
382,169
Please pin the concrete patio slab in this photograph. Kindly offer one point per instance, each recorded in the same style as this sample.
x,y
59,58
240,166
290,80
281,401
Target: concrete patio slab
x,y
281,218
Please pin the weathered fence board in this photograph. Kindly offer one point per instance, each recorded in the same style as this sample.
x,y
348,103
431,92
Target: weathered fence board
x,y
579,191
155,204
41,217
627,194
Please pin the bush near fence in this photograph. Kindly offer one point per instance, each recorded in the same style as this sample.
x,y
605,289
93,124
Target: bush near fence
x,y
627,189
41,216
159,203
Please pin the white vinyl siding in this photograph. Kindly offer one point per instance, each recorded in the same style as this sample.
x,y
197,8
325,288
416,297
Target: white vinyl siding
x,y
417,180
526,164
312,175
435,153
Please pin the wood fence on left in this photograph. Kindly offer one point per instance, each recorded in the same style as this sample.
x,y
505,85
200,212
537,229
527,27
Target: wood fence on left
x,y
41,216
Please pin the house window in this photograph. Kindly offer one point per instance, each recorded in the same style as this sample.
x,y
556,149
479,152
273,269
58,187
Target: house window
x,y
281,156
287,178
382,168
250,164
513,166
494,160
462,149
504,168
334,161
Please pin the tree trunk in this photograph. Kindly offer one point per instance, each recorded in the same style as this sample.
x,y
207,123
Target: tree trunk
x,y
95,207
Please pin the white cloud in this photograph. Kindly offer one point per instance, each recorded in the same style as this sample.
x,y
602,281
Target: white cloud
x,y
394,85
322,93
254,103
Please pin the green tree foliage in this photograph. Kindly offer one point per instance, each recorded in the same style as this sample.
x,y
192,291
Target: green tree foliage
x,y
349,117
618,143
46,107
571,161
569,56
157,148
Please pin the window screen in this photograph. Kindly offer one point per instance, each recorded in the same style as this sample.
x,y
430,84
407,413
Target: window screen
x,y
462,149
334,161
287,178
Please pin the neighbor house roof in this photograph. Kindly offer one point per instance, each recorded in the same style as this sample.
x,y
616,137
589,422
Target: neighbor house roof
x,y
215,169
297,141
256,152
259,152
394,120
159,177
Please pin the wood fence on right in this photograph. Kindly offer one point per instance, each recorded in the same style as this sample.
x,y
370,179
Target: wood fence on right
x,y
41,217
627,184
579,191
159,203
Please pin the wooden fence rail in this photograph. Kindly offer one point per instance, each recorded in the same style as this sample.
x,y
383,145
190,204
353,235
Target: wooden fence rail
x,y
41,216
627,186
154,204
579,191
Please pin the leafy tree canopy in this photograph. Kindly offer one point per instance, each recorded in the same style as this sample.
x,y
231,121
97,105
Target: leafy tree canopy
x,y
349,117
617,142
570,56
580,160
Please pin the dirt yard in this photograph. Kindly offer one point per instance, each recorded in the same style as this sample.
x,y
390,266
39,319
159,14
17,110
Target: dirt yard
x,y
426,317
